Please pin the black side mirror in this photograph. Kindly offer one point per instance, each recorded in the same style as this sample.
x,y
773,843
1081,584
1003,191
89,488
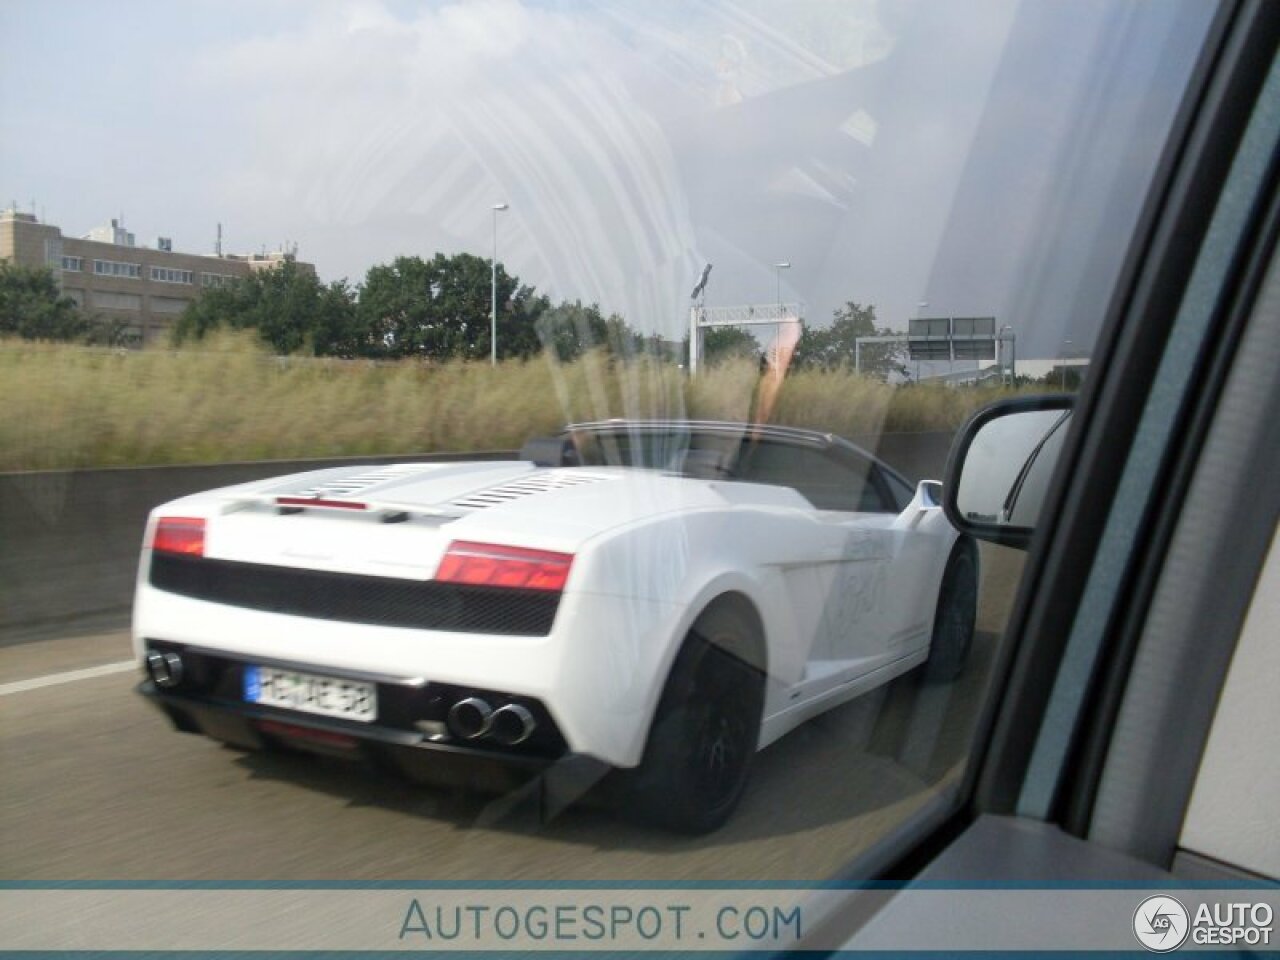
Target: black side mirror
x,y
999,468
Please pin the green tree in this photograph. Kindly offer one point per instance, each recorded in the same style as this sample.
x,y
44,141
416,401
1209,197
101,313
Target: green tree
x,y
1061,377
34,308
727,343
288,306
835,346
441,309
622,340
571,329
109,331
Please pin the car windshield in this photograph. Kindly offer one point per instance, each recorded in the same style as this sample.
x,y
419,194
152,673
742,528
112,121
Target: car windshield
x,y
320,271
829,474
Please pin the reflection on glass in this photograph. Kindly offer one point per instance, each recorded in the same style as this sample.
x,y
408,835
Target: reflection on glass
x,y
1008,466
974,160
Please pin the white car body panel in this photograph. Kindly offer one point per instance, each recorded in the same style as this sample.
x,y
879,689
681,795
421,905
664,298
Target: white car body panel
x,y
846,600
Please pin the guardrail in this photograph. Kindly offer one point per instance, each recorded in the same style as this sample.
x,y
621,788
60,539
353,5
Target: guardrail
x,y
69,539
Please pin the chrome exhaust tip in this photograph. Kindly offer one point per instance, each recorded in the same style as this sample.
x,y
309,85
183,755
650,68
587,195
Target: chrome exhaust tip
x,y
166,669
470,718
512,725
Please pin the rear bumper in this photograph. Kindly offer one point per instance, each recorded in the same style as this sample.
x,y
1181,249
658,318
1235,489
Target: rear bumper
x,y
423,757
598,673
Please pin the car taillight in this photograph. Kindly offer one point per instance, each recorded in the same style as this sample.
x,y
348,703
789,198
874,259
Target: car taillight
x,y
490,565
179,535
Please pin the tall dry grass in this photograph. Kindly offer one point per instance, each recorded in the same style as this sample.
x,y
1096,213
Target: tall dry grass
x,y
226,399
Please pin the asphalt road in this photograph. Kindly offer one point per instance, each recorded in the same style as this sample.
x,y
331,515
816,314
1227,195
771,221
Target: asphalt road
x,y
96,785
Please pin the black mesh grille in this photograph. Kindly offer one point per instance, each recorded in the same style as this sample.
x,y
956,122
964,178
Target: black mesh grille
x,y
353,598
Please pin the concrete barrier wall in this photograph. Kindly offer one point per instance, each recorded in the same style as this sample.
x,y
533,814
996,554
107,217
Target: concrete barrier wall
x,y
69,540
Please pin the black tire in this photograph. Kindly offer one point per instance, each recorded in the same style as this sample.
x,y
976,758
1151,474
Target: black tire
x,y
704,733
953,623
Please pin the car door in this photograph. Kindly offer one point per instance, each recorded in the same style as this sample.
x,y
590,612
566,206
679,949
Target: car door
x,y
848,584
890,604
882,595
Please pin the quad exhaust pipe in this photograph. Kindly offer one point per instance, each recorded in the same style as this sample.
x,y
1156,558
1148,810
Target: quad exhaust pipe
x,y
166,669
512,725
472,718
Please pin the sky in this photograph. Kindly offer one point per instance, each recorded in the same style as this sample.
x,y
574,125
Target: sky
x,y
928,157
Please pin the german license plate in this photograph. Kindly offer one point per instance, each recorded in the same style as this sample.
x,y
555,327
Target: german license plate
x,y
308,693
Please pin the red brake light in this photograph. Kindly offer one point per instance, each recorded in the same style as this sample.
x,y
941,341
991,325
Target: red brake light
x,y
319,502
490,565
179,535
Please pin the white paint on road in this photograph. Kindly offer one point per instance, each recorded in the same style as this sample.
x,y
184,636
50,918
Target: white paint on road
x,y
71,676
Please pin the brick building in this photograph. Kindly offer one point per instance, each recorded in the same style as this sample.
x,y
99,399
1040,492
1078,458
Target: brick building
x,y
110,277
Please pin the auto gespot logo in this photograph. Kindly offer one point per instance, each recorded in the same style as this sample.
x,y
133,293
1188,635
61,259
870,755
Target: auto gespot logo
x,y
1161,923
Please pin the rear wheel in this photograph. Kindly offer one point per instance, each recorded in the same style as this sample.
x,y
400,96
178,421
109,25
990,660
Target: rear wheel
x,y
705,730
953,624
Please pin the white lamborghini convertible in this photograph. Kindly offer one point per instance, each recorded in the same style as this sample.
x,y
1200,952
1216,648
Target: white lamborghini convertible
x,y
665,598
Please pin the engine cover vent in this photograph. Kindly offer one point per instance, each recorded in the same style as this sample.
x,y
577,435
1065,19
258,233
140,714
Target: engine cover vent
x,y
347,486
527,487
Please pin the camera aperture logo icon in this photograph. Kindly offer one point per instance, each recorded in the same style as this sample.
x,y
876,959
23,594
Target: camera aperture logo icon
x,y
1161,923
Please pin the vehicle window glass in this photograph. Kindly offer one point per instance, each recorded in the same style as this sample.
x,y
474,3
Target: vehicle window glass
x,y
827,483
409,232
902,492
875,495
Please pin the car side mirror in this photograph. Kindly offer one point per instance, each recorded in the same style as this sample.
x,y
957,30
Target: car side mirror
x,y
1000,465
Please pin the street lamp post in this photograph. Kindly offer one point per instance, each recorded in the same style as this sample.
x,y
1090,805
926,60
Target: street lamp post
x,y
493,289
1066,349
777,270
1012,358
919,313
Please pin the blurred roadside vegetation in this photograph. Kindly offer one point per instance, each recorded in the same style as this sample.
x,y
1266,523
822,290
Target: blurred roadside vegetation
x,y
282,366
433,310
228,397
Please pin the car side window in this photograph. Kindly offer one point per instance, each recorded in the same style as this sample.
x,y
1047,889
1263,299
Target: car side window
x,y
900,492
823,480
874,497
878,496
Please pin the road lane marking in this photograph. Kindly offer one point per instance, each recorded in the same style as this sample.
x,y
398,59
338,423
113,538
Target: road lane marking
x,y
71,676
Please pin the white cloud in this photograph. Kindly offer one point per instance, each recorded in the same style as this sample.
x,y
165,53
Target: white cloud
x,y
375,127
